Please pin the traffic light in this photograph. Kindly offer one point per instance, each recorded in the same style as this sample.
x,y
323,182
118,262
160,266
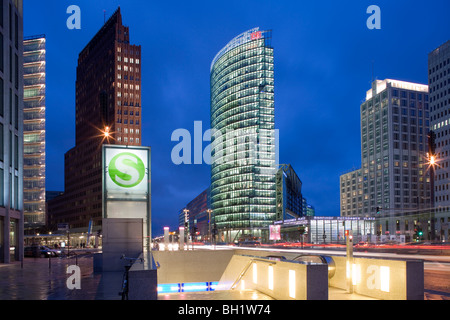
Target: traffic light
x,y
378,210
418,232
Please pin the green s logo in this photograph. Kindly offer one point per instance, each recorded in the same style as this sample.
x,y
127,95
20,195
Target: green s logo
x,y
126,170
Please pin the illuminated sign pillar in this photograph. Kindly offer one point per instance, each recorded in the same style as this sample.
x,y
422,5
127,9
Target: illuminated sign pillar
x,y
350,266
126,180
166,238
181,238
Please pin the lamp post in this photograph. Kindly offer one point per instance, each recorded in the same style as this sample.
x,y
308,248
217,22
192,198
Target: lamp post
x,y
209,224
432,163
186,225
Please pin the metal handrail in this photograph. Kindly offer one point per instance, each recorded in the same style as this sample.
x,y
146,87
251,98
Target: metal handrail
x,y
245,269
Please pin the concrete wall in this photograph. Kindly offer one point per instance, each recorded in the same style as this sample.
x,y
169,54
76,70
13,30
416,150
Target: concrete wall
x,y
142,279
283,280
382,278
191,266
120,236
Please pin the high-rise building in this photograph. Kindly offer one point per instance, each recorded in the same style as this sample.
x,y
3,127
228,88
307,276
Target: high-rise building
x,y
439,84
394,179
108,110
34,133
11,131
243,136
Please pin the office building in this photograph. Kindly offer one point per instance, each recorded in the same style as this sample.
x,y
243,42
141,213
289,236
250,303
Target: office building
x,y
11,131
108,110
351,193
393,183
289,203
34,133
243,169
197,216
439,84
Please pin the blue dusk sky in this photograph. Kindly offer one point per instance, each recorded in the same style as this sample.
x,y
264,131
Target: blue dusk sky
x,y
324,58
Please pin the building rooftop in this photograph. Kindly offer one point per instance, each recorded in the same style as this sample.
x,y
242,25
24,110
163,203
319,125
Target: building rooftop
x,y
382,85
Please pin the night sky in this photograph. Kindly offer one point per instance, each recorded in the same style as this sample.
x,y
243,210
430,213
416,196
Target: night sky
x,y
325,57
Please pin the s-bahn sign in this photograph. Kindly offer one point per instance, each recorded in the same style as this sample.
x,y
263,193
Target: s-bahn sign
x,y
126,172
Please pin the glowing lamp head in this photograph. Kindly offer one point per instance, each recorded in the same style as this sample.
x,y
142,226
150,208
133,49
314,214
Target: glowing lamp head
x,y
106,132
432,160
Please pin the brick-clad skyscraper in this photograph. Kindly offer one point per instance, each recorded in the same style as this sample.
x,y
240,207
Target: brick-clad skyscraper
x,y
108,99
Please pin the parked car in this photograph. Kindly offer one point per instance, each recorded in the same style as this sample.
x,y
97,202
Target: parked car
x,y
249,243
41,252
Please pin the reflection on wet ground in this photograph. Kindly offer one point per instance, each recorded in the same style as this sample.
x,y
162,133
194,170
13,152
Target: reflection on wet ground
x,y
45,279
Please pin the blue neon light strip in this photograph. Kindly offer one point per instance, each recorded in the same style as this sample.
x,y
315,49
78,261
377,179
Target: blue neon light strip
x,y
187,287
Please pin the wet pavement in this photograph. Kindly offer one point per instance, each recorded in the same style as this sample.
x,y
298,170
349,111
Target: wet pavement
x,y
46,279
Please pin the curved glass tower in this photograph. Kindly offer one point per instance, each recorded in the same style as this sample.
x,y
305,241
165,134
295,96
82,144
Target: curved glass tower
x,y
243,149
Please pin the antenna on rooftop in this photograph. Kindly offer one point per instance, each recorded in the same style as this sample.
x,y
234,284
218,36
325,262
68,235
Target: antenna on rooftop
x,y
373,75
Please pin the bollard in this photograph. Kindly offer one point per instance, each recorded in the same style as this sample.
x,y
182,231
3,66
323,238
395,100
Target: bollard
x,y
349,251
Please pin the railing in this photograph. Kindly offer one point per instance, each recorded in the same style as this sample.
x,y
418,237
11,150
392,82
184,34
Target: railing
x,y
244,271
279,279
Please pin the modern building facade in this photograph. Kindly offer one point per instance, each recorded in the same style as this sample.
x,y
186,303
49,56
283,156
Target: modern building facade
x,y
243,170
108,110
34,133
289,203
393,184
11,131
351,193
439,84
197,217
322,230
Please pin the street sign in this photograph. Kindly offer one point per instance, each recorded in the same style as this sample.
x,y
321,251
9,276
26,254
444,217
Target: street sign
x,y
63,226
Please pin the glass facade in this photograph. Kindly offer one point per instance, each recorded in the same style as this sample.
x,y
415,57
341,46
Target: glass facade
x,y
289,194
34,131
11,131
243,136
320,230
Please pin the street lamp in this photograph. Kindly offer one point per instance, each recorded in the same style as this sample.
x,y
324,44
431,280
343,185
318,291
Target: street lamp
x,y
431,162
186,225
209,227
